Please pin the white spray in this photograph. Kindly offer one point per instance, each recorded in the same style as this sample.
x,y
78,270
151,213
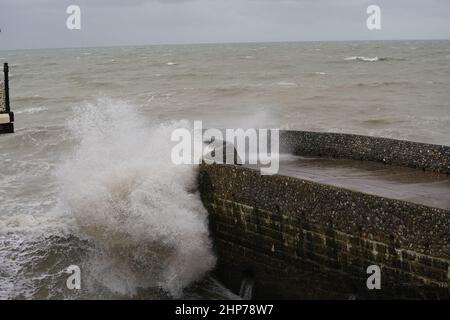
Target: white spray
x,y
143,212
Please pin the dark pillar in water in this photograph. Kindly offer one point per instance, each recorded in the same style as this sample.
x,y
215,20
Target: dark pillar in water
x,y
6,126
6,72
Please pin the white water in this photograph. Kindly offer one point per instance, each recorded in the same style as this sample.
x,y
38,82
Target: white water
x,y
143,212
122,211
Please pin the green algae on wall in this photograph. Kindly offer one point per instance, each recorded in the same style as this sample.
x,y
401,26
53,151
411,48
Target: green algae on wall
x,y
301,239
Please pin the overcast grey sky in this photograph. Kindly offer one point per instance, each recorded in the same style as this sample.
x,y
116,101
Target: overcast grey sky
x,y
42,23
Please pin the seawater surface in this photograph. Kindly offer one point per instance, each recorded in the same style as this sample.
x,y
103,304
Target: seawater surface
x,y
87,180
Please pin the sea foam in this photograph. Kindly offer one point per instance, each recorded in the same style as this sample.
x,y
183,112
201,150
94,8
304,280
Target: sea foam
x,y
142,212
356,58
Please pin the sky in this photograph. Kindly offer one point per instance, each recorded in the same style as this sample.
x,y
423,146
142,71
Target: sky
x,y
30,24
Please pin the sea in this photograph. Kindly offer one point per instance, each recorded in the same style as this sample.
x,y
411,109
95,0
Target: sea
x,y
86,180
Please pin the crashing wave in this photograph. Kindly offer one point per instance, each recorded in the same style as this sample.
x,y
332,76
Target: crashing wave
x,y
143,213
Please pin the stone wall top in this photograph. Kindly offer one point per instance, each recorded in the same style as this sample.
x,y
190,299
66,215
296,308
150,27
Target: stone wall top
x,y
423,156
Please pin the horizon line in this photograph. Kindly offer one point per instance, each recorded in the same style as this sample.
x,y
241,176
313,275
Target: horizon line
x,y
215,43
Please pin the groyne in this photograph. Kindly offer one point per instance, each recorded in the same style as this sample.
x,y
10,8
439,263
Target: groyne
x,y
313,231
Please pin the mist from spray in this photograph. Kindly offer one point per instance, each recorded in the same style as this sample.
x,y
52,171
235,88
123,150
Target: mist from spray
x,y
143,213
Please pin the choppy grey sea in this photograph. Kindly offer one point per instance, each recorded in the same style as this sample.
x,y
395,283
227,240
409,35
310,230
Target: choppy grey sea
x,y
86,180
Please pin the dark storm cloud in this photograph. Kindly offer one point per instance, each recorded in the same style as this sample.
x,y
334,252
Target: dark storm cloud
x,y
41,23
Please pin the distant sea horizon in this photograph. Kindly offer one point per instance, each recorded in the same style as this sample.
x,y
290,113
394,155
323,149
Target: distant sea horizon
x,y
216,43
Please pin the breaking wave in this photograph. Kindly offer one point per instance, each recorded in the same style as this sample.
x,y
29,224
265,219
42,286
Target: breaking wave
x,y
374,59
32,110
143,214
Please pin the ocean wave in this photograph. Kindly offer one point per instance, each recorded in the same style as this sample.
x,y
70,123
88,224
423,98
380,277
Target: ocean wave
x,y
369,123
316,73
100,83
142,212
229,91
31,110
384,83
374,59
34,98
286,84
31,142
22,255
358,58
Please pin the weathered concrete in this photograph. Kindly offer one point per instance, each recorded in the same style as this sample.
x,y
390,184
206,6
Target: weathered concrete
x,y
314,233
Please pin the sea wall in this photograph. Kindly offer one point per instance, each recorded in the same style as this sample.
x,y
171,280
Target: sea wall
x,y
299,239
423,156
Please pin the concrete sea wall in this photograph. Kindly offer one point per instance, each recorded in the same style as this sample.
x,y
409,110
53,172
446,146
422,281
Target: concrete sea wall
x,y
298,239
423,156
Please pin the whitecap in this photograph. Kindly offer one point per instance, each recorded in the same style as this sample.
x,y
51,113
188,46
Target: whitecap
x,y
360,58
31,110
286,84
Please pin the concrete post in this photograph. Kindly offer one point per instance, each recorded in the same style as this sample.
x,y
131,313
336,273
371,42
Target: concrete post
x,y
6,73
